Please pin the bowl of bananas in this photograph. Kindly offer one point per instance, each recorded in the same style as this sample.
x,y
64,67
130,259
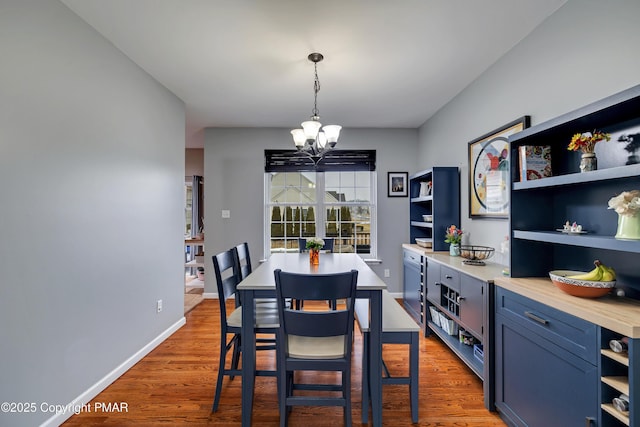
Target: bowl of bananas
x,y
593,284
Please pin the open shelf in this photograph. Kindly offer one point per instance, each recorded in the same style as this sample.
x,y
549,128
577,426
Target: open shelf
x,y
463,351
619,172
611,410
422,224
584,240
619,383
621,358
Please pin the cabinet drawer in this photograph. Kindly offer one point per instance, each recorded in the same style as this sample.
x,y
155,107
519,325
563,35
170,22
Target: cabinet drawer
x,y
575,335
412,257
450,278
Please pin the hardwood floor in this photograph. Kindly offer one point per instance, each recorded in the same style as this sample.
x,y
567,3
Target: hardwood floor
x,y
174,385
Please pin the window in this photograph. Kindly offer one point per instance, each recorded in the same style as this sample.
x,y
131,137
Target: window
x,y
335,200
338,205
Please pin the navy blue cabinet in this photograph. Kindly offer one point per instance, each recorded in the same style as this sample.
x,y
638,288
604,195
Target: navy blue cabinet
x,y
546,365
434,192
413,284
538,208
457,311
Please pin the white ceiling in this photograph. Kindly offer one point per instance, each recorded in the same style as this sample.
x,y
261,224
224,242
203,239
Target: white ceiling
x,y
242,63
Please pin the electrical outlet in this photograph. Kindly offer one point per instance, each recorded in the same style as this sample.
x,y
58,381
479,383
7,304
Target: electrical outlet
x,y
226,213
387,273
159,306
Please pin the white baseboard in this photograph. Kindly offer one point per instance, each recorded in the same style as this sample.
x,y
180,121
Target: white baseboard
x,y
108,379
210,295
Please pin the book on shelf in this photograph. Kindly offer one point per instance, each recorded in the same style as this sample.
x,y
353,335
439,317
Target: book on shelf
x,y
535,162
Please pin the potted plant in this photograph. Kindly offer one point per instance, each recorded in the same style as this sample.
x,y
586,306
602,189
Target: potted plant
x,y
586,142
314,244
453,237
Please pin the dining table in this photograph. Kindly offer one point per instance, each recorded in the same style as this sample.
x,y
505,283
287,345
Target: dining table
x,y
261,284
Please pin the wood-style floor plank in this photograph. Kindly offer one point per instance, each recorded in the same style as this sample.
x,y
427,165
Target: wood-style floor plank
x,y
174,385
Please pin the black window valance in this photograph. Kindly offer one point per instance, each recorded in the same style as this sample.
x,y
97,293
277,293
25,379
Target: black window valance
x,y
333,161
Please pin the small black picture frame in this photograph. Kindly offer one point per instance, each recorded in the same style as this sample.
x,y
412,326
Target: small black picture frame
x,y
397,184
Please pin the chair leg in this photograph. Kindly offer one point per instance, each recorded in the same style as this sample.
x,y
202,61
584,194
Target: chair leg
x,y
346,391
223,356
283,392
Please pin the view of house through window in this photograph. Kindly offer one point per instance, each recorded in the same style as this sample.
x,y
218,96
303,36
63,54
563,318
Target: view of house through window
x,y
337,205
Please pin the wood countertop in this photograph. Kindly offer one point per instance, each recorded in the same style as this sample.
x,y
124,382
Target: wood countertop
x,y
621,315
485,273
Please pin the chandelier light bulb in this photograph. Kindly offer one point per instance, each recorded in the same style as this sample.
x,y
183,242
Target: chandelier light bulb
x,y
311,128
298,137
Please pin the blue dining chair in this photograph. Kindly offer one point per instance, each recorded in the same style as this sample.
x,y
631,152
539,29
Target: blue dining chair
x,y
266,321
314,340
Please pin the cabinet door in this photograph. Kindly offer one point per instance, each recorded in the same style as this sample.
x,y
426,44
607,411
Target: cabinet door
x,y
472,304
412,283
433,282
540,382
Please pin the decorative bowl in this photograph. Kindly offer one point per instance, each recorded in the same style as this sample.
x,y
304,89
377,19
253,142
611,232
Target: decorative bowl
x,y
427,218
423,243
477,254
580,288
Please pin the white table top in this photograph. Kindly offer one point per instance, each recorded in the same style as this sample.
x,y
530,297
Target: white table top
x,y
262,277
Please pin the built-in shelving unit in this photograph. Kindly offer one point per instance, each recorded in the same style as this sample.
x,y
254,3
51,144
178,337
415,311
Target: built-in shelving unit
x,y
540,207
443,204
616,376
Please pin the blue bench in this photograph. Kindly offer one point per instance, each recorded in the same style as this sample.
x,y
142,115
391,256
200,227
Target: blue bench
x,y
398,327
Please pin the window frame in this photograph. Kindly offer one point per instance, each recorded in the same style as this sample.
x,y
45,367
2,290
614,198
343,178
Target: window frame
x,y
320,206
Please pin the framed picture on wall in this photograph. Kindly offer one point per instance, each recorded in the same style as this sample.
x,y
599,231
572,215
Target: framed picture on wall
x,y
489,171
397,184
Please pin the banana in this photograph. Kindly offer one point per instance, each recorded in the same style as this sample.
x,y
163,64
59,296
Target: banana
x,y
601,273
594,275
608,273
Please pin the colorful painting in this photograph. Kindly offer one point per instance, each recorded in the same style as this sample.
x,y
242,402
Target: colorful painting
x,y
489,172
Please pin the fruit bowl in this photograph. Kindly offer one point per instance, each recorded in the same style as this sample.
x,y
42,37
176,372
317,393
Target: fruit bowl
x,y
578,287
476,254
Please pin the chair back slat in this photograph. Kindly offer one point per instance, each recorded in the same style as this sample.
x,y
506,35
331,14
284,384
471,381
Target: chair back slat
x,y
226,277
243,260
313,324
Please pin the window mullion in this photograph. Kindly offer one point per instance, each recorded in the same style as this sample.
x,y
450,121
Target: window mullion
x,y
320,217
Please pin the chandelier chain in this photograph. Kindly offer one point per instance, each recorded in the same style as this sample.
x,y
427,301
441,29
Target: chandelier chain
x,y
316,89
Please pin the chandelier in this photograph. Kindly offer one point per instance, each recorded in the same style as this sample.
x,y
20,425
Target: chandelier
x,y
311,140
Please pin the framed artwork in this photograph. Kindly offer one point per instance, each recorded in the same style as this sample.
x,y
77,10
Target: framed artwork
x,y
489,172
397,184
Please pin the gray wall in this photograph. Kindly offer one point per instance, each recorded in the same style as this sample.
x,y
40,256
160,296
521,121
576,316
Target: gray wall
x,y
91,180
234,180
587,50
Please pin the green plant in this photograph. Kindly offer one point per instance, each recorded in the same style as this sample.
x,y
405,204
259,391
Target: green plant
x,y
454,235
315,243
